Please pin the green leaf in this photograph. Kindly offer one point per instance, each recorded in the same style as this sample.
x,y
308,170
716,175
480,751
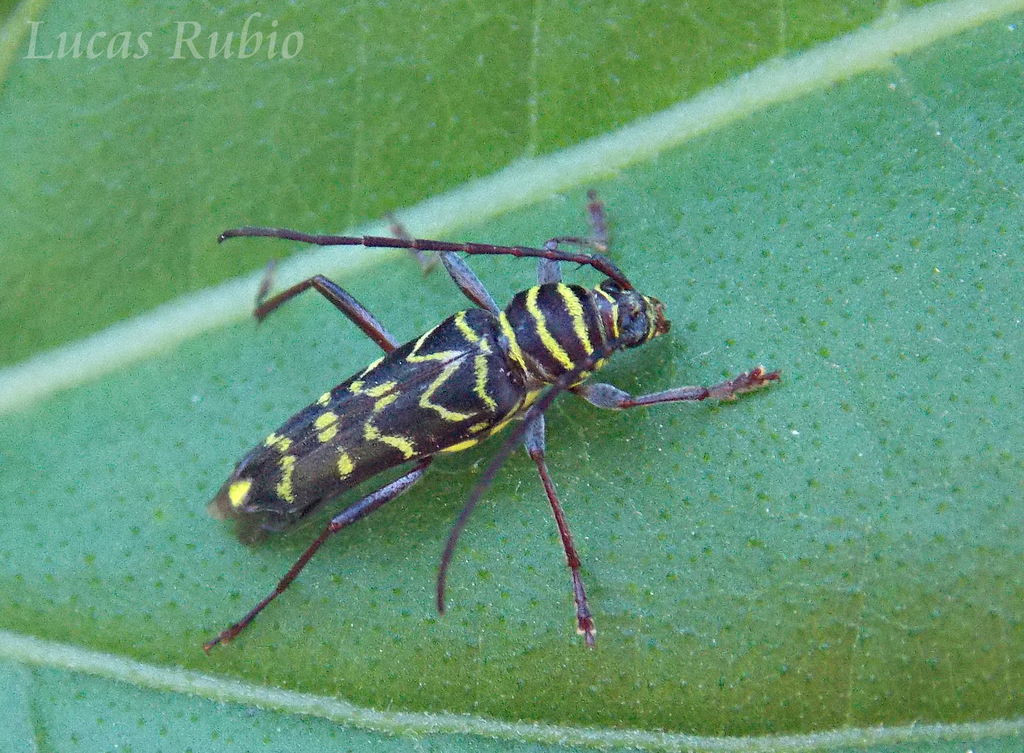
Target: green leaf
x,y
837,553
128,167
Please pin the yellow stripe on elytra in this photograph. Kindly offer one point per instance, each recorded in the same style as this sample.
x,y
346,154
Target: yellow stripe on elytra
x,y
502,424
480,367
324,399
491,430
284,486
356,388
238,491
279,443
371,367
345,464
442,411
327,423
575,309
442,355
325,419
381,389
543,333
480,361
530,397
372,433
384,402
463,326
461,445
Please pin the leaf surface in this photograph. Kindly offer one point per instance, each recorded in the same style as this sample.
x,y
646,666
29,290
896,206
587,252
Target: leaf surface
x,y
841,551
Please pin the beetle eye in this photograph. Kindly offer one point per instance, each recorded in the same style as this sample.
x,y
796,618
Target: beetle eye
x,y
633,322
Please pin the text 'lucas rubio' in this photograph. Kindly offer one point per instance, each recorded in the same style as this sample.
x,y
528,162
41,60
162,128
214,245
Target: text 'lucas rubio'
x,y
190,43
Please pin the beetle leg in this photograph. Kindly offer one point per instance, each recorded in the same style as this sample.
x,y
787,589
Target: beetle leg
x,y
345,518
534,440
598,222
457,269
518,434
468,282
549,270
609,396
341,299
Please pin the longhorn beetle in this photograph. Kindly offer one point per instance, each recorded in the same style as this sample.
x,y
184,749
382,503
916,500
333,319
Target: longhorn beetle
x,y
447,390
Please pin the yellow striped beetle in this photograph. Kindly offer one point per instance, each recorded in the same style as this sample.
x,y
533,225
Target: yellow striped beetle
x,y
447,390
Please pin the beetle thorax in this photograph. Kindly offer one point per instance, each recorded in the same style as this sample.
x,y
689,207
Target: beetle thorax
x,y
554,328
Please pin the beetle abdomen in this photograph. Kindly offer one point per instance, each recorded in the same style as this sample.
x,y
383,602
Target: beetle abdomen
x,y
443,391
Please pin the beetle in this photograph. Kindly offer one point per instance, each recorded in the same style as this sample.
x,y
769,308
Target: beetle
x,y
446,390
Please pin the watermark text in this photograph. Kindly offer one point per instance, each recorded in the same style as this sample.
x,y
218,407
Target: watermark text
x,y
191,42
